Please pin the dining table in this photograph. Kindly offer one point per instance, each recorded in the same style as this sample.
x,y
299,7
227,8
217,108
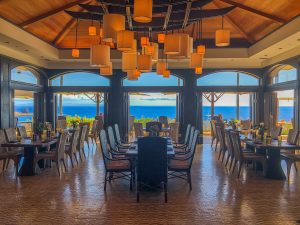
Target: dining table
x,y
272,151
31,148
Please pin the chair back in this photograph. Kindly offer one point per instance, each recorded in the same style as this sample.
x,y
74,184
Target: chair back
x,y
117,132
221,136
213,128
60,147
130,123
138,129
228,142
11,135
293,136
174,131
152,124
103,142
3,139
187,133
164,121
275,132
94,129
100,123
111,138
237,147
88,125
49,126
191,138
81,139
245,124
152,166
22,132
193,146
74,140
61,124
61,117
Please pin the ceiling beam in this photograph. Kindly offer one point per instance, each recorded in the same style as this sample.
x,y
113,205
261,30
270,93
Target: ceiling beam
x,y
255,11
50,13
104,7
65,31
129,18
187,14
167,18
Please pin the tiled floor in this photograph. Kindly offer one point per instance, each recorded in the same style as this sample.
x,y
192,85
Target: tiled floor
x,y
217,197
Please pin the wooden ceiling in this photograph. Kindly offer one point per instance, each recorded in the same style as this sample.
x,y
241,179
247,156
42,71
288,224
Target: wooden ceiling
x,y
249,21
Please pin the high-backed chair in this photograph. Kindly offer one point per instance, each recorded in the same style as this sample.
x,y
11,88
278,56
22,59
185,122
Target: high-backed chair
x,y
118,138
186,138
22,132
81,139
275,132
214,134
112,165
71,149
164,121
11,135
229,145
187,148
113,146
221,138
138,130
152,166
86,138
174,132
150,125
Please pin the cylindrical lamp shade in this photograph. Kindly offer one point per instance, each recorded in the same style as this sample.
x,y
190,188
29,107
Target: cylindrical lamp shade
x,y
112,23
134,46
222,38
131,75
201,49
161,38
75,52
166,73
172,44
161,67
196,60
100,55
136,73
129,61
125,40
144,41
185,47
152,49
144,63
106,70
142,11
198,70
92,31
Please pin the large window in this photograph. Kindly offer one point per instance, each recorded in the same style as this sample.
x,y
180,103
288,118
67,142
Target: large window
x,y
79,79
152,79
232,78
283,74
285,110
24,75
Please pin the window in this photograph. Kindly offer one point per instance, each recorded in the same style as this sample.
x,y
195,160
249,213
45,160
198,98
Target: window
x,y
24,75
228,79
152,79
80,79
284,74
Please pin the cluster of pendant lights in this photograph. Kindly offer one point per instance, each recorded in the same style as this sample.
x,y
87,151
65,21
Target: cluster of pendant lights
x,y
176,45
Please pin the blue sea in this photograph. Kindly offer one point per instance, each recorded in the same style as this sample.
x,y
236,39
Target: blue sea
x,y
285,112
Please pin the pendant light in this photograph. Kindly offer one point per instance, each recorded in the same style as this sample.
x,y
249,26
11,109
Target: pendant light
x,y
129,61
166,72
152,49
125,40
222,36
112,23
196,60
106,70
131,75
137,73
198,70
100,55
161,67
200,48
185,47
92,29
142,11
172,44
75,51
144,62
161,38
144,41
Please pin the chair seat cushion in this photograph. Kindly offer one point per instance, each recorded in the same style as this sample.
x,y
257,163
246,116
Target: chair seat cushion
x,y
118,165
179,165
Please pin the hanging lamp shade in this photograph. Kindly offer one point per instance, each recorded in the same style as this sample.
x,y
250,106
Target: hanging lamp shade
x,y
106,70
144,63
137,73
142,11
133,47
222,38
92,31
161,38
185,47
196,60
166,73
172,44
152,49
100,55
125,40
75,52
144,41
198,70
201,49
129,61
161,67
112,23
131,75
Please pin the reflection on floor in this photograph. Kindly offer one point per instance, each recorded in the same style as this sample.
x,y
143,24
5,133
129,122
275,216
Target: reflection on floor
x,y
217,197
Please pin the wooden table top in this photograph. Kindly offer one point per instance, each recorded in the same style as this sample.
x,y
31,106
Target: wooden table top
x,y
30,143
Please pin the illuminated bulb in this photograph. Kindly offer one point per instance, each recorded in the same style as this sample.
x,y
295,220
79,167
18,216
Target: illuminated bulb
x,y
75,52
161,38
144,41
166,74
201,49
222,38
92,31
198,70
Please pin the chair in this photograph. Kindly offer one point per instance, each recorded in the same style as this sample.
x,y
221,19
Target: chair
x,y
149,126
174,131
213,134
11,135
120,166
81,139
242,157
22,132
61,123
86,138
290,157
180,167
57,156
221,138
229,145
138,130
118,138
245,124
186,138
71,149
164,121
93,134
187,148
130,127
152,164
100,123
114,148
275,132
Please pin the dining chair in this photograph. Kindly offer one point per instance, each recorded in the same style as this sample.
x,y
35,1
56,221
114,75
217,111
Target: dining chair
x,y
118,138
174,132
57,156
113,146
229,145
93,134
245,124
164,121
121,166
22,132
138,129
86,138
130,127
187,148
71,149
242,157
290,157
11,135
151,125
180,167
275,132
81,139
61,123
152,164
186,138
221,137
214,137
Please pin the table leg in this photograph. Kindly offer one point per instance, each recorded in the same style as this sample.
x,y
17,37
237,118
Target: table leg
x,y
274,169
27,167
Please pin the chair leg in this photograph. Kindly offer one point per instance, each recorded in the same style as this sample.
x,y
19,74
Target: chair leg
x,y
212,141
190,180
75,156
105,180
71,159
295,165
7,164
224,152
227,160
166,191
234,165
289,166
16,161
83,153
131,177
4,165
64,165
216,146
240,168
57,167
138,192
220,153
79,153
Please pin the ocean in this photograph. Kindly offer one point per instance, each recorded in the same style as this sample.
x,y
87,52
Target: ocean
x,y
228,112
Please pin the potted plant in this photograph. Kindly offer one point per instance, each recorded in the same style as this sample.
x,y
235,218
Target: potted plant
x,y
261,130
40,129
74,121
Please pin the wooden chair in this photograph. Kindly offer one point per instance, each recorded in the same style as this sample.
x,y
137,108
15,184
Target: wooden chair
x,y
164,121
22,132
86,138
57,156
71,149
275,132
94,134
214,134
186,148
245,126
152,164
11,135
180,167
138,130
221,138
242,157
229,145
121,166
113,146
290,157
174,132
81,139
186,138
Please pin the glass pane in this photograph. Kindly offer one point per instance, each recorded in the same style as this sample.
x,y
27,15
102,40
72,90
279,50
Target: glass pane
x,y
218,79
287,73
81,79
247,80
226,106
22,74
206,114
152,79
244,106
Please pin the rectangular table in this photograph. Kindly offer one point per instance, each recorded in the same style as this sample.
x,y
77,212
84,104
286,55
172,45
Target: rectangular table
x,y
30,150
272,151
